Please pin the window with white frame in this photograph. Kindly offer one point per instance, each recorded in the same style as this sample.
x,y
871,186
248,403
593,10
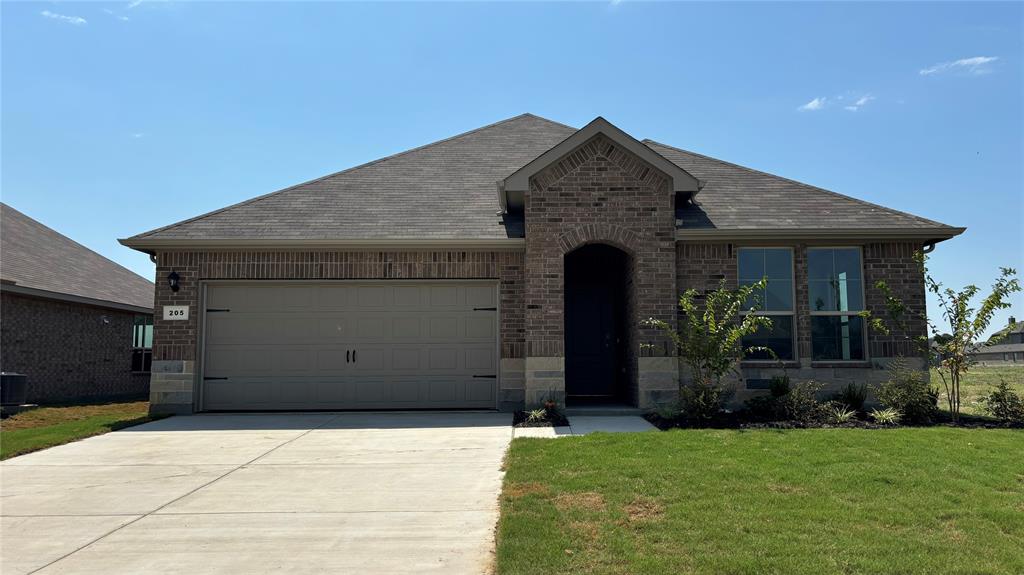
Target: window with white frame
x,y
835,287
776,300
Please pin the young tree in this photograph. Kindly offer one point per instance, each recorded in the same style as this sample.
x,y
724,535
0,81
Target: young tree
x,y
964,325
709,339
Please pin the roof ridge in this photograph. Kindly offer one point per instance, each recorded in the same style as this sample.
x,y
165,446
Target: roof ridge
x,y
68,238
338,173
820,189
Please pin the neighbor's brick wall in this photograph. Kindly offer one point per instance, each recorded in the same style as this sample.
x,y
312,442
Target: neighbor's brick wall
x,y
598,194
67,350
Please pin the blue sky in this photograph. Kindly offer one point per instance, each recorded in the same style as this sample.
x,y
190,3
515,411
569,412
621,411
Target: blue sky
x,y
122,117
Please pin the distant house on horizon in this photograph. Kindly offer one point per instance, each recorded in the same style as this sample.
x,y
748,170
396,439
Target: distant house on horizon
x,y
77,324
1007,346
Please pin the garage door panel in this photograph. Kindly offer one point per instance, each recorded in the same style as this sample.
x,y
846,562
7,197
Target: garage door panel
x,y
417,345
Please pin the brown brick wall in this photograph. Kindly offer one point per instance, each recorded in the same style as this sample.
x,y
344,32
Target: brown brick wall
x,y
703,265
598,194
69,351
176,340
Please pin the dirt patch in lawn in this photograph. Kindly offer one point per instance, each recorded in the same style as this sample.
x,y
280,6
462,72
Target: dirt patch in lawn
x,y
585,500
517,490
644,509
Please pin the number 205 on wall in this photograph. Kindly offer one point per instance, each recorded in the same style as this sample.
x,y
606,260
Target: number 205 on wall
x,y
175,312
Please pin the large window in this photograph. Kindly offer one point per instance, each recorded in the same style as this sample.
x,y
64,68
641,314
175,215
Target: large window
x,y
836,293
142,343
776,300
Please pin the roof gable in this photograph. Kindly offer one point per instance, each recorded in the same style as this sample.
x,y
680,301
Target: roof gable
x,y
37,260
512,187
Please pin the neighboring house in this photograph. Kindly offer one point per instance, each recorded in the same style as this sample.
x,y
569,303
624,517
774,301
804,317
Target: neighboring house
x,y
77,324
511,264
1007,349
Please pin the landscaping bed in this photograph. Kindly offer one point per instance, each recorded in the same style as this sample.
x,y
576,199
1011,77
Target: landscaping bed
x,y
533,418
808,501
43,427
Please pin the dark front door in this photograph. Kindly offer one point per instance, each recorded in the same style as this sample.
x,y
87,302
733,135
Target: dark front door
x,y
595,340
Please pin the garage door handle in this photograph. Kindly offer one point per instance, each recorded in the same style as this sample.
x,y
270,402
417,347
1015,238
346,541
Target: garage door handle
x,y
353,356
487,376
348,354
209,378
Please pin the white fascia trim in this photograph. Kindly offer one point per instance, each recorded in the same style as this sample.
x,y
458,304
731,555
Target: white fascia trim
x,y
926,234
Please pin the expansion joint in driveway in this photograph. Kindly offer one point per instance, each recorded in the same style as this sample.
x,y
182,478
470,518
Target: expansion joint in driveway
x,y
176,499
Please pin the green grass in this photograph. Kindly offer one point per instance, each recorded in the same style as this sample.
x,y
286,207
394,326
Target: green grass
x,y
44,427
822,501
977,383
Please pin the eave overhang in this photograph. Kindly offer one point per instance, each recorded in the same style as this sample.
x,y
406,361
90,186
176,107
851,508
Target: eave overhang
x,y
71,298
153,245
924,235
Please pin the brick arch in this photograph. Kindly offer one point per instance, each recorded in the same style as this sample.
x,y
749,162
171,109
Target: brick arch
x,y
611,234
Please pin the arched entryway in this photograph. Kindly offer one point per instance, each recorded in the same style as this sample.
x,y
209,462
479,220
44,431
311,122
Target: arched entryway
x,y
597,327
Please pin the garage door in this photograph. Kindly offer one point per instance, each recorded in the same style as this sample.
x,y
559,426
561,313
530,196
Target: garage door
x,y
387,345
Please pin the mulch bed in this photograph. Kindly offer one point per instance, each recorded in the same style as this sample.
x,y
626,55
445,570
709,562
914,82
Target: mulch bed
x,y
554,419
740,420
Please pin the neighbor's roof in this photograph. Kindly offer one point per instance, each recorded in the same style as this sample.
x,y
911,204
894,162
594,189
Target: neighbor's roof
x,y
446,191
38,260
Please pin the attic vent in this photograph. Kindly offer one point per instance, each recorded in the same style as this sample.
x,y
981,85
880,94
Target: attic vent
x,y
608,151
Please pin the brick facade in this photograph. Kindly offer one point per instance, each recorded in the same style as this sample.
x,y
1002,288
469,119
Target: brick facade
x,y
599,193
69,351
175,342
703,265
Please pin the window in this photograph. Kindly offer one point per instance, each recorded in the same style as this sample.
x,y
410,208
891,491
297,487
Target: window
x,y
776,300
142,343
836,293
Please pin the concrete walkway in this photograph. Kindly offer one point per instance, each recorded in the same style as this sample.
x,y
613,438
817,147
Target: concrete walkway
x,y
291,493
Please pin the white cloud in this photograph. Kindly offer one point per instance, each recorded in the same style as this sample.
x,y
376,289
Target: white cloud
x,y
134,3
815,104
115,14
977,66
75,20
860,103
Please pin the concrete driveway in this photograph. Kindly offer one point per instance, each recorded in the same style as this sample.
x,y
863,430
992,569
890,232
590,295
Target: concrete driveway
x,y
293,493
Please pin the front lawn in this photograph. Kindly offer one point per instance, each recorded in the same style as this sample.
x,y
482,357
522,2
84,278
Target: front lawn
x,y
910,500
48,426
978,382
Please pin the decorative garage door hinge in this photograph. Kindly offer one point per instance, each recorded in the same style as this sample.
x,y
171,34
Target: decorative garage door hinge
x,y
485,309
487,376
214,309
209,378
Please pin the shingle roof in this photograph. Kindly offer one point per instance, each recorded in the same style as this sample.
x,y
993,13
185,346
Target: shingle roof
x,y
37,257
443,190
446,190
736,198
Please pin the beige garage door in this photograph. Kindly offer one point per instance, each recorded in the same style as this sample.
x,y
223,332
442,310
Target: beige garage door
x,y
386,345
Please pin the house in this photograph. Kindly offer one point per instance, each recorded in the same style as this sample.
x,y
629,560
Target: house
x,y
77,324
1006,347
512,264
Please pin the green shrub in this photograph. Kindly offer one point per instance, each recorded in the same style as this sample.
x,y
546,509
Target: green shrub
x,y
907,392
839,413
887,416
703,400
853,396
537,415
779,385
799,403
1005,405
